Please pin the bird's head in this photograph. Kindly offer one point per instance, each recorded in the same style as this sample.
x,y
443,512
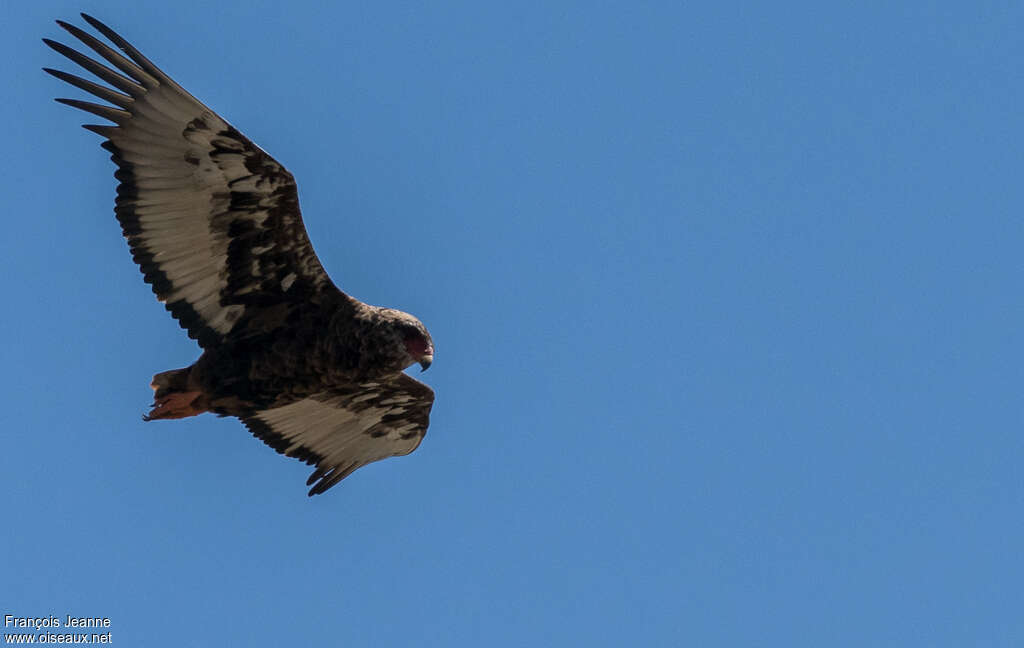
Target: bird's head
x,y
412,338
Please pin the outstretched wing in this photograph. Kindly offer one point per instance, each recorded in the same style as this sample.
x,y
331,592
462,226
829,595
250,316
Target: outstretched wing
x,y
344,429
211,219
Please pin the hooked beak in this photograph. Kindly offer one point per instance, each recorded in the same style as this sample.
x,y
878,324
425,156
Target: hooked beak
x,y
425,362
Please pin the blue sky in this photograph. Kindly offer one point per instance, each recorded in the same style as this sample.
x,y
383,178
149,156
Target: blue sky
x,y
726,300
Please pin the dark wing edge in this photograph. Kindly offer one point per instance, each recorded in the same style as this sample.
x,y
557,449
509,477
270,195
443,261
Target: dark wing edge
x,y
342,430
212,221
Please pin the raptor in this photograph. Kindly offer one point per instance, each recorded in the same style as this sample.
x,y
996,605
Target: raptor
x,y
213,223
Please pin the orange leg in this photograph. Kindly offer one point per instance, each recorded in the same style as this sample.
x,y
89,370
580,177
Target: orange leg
x,y
175,406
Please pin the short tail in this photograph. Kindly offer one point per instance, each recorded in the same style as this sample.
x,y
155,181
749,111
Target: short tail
x,y
174,397
166,382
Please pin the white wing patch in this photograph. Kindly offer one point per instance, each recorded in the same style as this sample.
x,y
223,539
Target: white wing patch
x,y
341,431
325,426
182,189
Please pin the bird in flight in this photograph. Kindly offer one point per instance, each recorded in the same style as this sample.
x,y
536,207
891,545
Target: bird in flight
x,y
213,223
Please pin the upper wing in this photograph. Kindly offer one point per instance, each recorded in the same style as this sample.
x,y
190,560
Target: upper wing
x,y
344,429
211,219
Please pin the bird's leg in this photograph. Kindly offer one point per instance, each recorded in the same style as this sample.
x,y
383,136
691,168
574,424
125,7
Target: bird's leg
x,y
175,406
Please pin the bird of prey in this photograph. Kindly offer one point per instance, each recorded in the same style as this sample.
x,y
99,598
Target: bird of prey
x,y
213,223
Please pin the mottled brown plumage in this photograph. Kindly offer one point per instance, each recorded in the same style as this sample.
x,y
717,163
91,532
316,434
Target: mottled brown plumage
x,y
214,224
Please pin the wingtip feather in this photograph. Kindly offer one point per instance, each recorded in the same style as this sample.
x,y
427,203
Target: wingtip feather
x,y
99,129
89,19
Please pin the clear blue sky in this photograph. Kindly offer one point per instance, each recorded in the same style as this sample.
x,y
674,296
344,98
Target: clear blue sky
x,y
727,305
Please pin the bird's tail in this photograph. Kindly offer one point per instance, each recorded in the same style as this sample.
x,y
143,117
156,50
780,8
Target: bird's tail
x,y
174,396
167,382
